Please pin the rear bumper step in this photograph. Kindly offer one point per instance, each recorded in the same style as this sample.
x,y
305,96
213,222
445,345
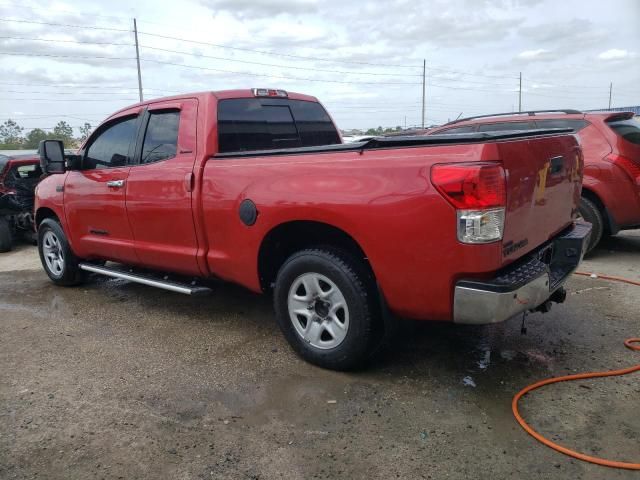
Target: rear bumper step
x,y
525,285
146,279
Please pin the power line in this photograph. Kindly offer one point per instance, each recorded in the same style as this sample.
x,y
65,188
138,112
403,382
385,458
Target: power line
x,y
77,85
78,42
264,52
198,67
276,65
62,93
51,24
68,99
39,10
35,39
67,85
53,55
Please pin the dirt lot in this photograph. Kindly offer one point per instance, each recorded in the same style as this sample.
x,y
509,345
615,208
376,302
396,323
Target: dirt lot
x,y
116,380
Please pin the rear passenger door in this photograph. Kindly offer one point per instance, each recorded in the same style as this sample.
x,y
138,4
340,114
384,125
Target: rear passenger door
x,y
160,188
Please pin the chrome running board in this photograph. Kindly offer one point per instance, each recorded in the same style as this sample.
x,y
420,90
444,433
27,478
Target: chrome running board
x,y
146,279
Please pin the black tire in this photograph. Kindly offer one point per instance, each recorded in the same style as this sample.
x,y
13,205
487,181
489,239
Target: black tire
x,y
592,214
70,274
356,288
6,236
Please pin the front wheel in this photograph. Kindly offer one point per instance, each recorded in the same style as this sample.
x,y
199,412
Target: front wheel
x,y
59,262
326,306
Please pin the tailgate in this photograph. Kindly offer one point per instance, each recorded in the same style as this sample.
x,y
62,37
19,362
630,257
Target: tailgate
x,y
544,179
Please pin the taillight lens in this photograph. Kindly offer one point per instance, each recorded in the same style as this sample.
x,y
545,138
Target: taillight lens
x,y
470,185
478,193
630,167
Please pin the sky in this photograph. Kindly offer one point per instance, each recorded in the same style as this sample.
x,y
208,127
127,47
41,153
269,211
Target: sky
x,y
75,60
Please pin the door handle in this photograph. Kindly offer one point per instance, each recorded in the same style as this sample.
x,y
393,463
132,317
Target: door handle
x,y
115,183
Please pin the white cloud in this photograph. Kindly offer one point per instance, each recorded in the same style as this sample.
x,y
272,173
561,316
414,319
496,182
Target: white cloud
x,y
528,54
614,54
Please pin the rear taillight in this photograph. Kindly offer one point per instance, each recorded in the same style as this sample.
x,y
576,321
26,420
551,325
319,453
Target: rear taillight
x,y
630,167
477,191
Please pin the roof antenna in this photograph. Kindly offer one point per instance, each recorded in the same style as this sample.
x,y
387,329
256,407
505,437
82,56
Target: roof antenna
x,y
458,116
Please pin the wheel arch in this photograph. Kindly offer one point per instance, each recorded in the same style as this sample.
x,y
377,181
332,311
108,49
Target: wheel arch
x,y
610,225
291,236
45,212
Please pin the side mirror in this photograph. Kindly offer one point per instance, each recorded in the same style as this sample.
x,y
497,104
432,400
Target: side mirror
x,y
52,156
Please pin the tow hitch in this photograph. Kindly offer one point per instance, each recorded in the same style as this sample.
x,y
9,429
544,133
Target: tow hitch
x,y
559,296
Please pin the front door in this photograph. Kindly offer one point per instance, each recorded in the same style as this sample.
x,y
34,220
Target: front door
x,y
160,186
94,196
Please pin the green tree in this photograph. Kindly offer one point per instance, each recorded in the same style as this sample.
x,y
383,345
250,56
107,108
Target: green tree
x,y
11,135
85,131
33,138
63,131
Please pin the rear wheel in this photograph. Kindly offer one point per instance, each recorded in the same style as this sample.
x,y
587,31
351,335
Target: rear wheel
x,y
326,307
590,212
6,236
59,262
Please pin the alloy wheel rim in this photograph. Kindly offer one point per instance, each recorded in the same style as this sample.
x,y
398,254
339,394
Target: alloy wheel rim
x,y
318,311
52,252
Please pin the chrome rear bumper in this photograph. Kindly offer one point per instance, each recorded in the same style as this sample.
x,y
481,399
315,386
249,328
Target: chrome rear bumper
x,y
524,285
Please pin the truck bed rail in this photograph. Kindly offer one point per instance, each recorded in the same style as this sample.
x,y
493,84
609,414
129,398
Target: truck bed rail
x,y
406,141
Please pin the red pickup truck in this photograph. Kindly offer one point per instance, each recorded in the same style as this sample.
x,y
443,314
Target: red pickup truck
x,y
255,187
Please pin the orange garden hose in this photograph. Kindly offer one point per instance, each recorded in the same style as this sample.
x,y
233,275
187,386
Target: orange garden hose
x,y
629,343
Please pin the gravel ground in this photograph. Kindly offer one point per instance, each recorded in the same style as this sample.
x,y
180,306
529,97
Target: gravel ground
x,y
116,380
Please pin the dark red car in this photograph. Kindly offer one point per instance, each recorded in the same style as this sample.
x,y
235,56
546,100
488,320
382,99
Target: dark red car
x,y
19,175
611,146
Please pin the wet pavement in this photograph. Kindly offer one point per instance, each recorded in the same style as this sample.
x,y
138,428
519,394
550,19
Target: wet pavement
x,y
117,380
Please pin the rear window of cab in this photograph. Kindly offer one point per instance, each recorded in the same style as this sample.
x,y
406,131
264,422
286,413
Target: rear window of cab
x,y
246,124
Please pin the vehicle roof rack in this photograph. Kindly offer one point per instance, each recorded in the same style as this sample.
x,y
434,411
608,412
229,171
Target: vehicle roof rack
x,y
529,113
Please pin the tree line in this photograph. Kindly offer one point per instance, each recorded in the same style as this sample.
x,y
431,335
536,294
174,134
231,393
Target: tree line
x,y
12,135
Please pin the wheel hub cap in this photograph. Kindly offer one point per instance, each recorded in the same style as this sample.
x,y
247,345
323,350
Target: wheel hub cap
x,y
52,253
318,310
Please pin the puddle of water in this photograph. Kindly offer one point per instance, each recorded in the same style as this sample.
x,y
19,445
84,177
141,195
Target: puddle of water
x,y
507,354
468,381
485,360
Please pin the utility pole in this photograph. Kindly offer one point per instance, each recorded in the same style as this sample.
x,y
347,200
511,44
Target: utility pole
x,y
520,95
135,34
424,87
610,91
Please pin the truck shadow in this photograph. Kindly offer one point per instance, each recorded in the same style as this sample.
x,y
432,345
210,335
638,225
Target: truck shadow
x,y
628,242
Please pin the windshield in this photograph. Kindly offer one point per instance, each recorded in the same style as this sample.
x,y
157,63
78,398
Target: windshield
x,y
628,129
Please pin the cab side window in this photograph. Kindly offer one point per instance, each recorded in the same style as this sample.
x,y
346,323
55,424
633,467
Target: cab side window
x,y
110,146
161,138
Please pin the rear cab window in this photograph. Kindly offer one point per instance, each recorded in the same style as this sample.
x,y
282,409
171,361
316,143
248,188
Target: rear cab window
x,y
246,124
627,128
